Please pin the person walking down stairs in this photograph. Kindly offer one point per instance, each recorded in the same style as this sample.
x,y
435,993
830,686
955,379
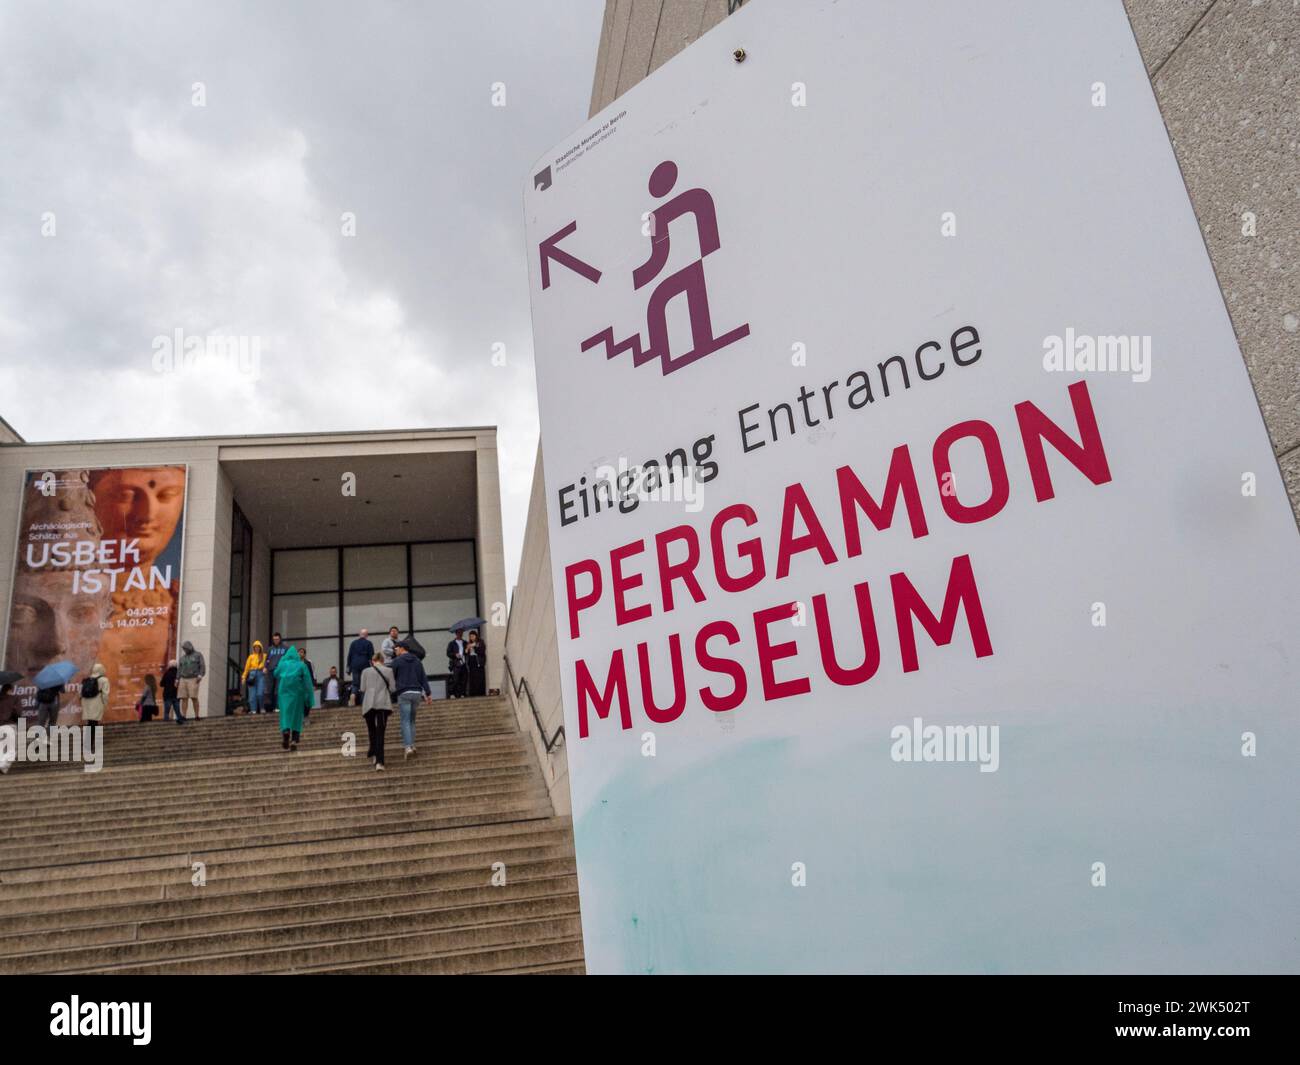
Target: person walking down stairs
x,y
295,694
252,677
377,689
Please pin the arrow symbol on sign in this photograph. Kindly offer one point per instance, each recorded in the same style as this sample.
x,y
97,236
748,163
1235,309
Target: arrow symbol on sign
x,y
549,251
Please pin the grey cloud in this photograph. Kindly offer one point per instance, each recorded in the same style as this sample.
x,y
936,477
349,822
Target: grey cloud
x,y
225,218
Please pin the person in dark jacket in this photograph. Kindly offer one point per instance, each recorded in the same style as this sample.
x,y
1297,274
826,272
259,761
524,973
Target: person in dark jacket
x,y
273,655
311,676
269,691
412,687
475,664
331,689
456,665
360,653
171,696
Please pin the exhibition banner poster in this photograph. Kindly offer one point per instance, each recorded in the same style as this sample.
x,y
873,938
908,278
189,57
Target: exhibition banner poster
x,y
97,579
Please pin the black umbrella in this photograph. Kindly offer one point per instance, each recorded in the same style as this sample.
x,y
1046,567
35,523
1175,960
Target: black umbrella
x,y
8,676
467,623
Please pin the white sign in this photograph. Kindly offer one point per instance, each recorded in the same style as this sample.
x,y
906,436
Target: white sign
x,y
925,584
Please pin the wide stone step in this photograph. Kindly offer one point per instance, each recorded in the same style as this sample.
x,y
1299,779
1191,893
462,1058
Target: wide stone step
x,y
382,790
415,864
563,951
280,810
156,742
377,838
302,930
545,969
394,943
265,793
43,778
313,862
295,888
430,817
44,951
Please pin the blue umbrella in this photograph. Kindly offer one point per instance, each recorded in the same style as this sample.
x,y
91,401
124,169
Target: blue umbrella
x,y
467,623
55,675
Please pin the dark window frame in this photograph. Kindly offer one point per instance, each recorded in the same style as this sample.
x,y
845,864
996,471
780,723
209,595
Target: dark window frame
x,y
339,591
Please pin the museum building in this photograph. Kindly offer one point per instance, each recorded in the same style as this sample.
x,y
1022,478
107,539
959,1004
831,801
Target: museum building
x,y
121,551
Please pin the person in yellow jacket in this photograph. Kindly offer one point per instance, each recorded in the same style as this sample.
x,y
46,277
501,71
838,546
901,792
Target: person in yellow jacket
x,y
254,678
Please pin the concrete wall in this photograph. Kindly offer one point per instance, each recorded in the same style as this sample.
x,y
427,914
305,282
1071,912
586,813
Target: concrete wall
x,y
1225,74
532,648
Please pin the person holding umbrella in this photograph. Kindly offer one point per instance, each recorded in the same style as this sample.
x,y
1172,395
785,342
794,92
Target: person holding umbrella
x,y
49,686
457,665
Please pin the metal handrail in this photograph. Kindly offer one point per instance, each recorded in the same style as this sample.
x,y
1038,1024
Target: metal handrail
x,y
522,686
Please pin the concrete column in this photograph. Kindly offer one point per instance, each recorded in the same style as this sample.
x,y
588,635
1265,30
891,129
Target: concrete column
x,y
205,579
491,555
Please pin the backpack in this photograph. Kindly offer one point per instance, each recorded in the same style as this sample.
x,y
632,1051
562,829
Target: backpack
x,y
90,688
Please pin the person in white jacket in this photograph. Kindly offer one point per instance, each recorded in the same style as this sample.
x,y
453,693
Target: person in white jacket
x,y
377,688
11,712
93,706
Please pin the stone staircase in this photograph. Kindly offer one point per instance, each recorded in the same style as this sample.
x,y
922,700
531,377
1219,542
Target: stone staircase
x,y
313,862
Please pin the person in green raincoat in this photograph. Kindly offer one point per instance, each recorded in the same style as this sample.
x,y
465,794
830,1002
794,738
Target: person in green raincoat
x,y
294,693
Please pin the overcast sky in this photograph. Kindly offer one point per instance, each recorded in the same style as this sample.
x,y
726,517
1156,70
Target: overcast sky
x,y
226,218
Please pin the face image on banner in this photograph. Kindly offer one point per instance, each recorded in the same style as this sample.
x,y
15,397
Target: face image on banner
x,y
97,580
